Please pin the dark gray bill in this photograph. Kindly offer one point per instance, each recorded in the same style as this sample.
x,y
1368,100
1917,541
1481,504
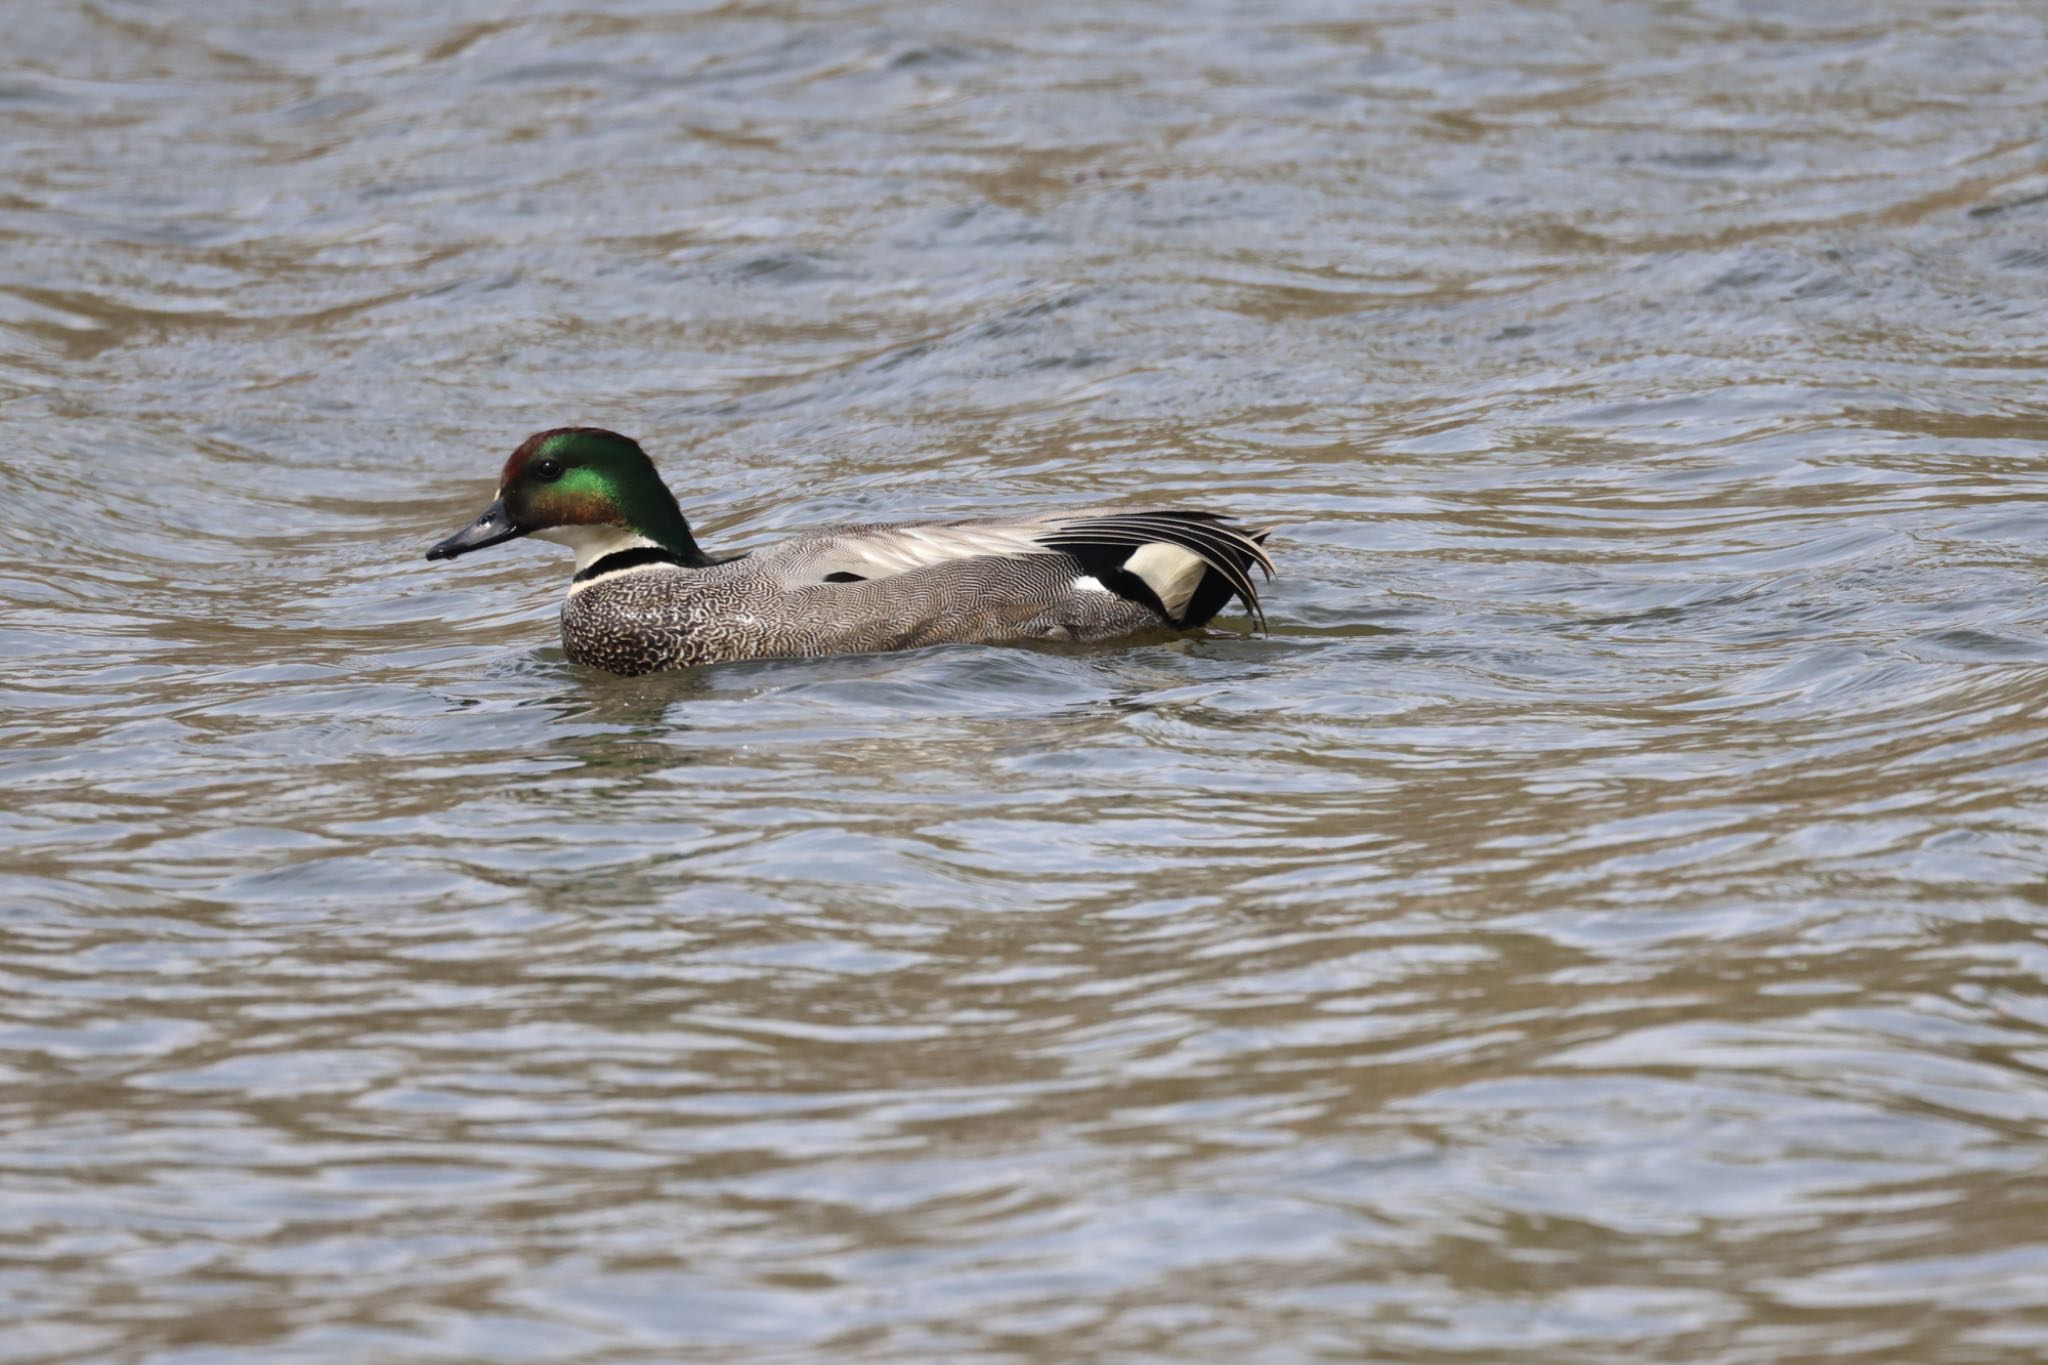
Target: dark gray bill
x,y
492,528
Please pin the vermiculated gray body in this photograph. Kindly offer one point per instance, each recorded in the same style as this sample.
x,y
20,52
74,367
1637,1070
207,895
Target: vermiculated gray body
x,y
660,617
862,589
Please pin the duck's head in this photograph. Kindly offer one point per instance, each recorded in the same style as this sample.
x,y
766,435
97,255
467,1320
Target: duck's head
x,y
584,487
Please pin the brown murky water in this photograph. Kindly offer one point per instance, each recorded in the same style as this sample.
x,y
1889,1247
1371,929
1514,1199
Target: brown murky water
x,y
1604,922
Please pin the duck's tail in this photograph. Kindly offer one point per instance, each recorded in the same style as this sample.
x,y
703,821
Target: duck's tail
x,y
1187,564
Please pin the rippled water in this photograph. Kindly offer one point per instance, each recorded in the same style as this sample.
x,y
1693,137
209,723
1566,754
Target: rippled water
x,y
1604,921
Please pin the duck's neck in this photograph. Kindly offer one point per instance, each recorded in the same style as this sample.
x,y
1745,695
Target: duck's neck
x,y
658,519
655,531
605,550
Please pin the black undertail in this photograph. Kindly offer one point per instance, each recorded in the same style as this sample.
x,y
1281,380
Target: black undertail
x,y
1103,545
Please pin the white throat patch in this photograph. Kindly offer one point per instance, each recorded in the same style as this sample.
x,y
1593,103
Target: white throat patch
x,y
592,543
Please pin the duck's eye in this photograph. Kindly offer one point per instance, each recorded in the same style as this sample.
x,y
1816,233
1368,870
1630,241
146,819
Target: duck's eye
x,y
548,470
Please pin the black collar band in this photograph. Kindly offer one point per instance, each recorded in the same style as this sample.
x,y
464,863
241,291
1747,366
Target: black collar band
x,y
637,557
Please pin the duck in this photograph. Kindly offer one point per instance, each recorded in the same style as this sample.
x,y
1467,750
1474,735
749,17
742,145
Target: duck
x,y
645,597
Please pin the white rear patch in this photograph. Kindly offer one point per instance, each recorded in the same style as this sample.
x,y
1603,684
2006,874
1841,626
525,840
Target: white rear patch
x,y
1089,583
1171,572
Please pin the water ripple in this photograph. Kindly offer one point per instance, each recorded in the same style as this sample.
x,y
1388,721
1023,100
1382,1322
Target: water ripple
x,y
1600,922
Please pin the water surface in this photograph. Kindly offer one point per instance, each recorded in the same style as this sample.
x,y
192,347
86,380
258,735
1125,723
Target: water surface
x,y
1602,922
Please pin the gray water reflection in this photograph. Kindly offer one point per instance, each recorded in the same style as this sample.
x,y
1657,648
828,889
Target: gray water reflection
x,y
1602,922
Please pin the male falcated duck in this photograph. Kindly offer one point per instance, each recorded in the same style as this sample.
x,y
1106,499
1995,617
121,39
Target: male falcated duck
x,y
646,598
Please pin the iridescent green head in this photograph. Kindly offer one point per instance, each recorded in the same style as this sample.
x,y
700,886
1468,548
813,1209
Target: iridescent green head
x,y
584,486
